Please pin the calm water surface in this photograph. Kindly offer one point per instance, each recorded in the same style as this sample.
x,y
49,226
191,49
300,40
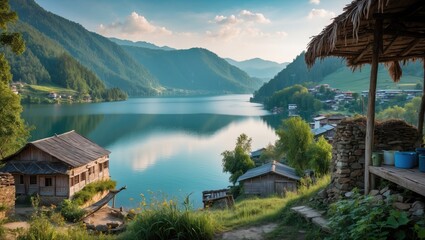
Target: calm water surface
x,y
167,145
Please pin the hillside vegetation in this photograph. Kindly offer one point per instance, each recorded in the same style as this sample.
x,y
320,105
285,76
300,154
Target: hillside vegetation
x,y
333,71
195,70
46,63
105,58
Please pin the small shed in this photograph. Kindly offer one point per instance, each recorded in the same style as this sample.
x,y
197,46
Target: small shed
x,y
270,178
57,167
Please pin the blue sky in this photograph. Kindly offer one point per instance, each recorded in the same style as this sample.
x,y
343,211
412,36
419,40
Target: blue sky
x,y
239,29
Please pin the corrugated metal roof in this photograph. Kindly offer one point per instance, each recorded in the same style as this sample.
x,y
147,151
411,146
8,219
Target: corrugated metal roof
x,y
321,130
34,168
257,153
275,167
70,148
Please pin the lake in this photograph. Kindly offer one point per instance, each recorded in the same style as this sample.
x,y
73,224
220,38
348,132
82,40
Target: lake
x,y
169,146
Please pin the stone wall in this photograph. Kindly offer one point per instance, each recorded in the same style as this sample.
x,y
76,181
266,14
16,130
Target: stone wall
x,y
7,193
348,153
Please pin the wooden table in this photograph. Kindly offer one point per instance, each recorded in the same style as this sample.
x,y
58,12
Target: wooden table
x,y
411,179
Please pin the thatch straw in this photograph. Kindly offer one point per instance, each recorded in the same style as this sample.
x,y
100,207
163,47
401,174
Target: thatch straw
x,y
353,30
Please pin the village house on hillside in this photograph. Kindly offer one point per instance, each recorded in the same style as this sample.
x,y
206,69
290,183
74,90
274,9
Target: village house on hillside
x,y
270,178
57,167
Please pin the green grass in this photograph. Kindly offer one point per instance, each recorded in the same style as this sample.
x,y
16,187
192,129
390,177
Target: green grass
x,y
262,210
346,80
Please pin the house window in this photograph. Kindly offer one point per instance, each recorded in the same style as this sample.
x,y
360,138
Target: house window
x,y
83,176
33,180
76,179
48,182
106,164
91,170
21,179
100,167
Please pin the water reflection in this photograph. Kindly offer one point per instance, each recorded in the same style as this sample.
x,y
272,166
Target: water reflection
x,y
171,145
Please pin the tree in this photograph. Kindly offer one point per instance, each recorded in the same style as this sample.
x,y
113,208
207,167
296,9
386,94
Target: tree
x,y
295,137
238,161
302,152
320,155
13,131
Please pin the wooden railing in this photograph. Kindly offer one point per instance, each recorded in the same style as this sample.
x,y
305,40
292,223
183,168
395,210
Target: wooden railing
x,y
211,196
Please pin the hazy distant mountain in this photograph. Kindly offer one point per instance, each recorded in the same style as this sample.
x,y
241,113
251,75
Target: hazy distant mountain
x,y
196,70
258,67
107,59
142,44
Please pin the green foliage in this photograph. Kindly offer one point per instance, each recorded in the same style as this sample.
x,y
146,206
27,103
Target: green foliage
x,y
365,217
71,211
296,94
238,161
295,137
409,112
92,189
105,58
296,141
254,210
297,73
163,219
13,131
320,156
44,226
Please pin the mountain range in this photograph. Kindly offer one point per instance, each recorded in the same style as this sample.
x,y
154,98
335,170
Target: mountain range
x,y
258,67
186,71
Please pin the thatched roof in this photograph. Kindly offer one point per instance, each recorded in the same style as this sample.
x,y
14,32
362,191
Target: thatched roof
x,y
351,34
70,148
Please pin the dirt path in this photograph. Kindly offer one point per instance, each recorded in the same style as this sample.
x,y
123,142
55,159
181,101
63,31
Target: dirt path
x,y
250,233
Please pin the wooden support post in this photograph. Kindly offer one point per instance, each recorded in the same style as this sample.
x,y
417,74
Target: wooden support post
x,y
113,202
422,109
377,44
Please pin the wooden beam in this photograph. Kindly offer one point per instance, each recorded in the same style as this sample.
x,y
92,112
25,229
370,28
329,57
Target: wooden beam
x,y
364,51
410,47
422,109
370,128
390,44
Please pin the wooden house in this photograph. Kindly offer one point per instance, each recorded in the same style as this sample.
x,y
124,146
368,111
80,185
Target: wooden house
x,y
270,178
57,167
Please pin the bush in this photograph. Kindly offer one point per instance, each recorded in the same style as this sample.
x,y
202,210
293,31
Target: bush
x,y
91,189
71,211
364,217
164,220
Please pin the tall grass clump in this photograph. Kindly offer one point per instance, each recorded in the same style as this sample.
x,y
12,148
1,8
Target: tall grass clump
x,y
165,220
91,189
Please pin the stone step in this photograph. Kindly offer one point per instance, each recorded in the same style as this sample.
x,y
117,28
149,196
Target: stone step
x,y
312,215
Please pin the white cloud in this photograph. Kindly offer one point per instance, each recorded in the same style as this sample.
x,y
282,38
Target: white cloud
x,y
253,17
320,13
242,24
317,2
226,20
134,24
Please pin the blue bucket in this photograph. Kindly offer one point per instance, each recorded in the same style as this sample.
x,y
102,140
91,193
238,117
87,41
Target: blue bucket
x,y
405,159
422,163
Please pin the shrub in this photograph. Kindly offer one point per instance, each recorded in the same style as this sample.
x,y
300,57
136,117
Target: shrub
x,y
364,217
164,220
91,189
71,211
